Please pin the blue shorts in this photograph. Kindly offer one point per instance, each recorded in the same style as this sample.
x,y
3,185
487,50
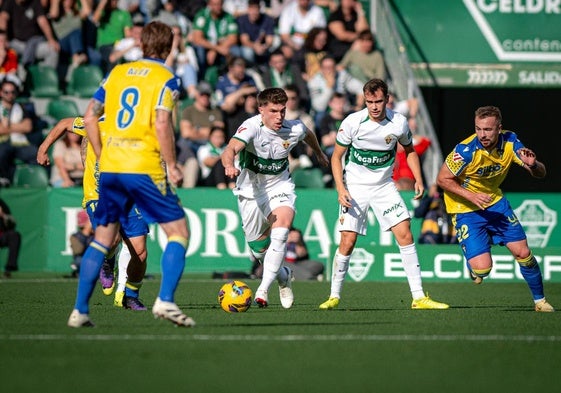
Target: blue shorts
x,y
133,226
478,231
119,192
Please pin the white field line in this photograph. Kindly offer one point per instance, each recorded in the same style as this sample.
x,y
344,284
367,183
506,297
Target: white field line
x,y
287,338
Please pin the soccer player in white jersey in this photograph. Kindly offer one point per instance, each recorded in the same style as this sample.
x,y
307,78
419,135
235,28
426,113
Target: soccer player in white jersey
x,y
367,141
264,187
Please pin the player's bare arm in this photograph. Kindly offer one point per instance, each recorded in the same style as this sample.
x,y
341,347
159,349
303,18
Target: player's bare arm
x,y
532,165
165,135
312,141
449,182
343,195
415,165
228,156
91,121
58,130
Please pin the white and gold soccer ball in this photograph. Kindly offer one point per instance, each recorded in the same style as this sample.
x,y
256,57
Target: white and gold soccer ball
x,y
235,296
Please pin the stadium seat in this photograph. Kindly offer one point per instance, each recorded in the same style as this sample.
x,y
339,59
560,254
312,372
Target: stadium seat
x,y
42,81
308,178
31,176
84,81
61,108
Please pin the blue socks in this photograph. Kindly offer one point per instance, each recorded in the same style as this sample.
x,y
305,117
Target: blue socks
x,y
89,273
531,272
173,263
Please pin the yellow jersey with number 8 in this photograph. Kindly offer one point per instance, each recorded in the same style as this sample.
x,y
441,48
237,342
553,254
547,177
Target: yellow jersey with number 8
x,y
131,94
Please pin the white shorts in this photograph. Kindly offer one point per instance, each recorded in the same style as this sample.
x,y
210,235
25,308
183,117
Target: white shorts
x,y
254,211
385,201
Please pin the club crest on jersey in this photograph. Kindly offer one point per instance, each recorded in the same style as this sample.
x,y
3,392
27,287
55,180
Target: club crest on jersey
x,y
457,157
388,139
285,144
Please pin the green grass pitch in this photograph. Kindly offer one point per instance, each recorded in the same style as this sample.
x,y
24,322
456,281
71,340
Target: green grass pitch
x,y
490,340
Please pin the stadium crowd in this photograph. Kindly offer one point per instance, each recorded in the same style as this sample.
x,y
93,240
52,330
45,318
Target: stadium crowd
x,y
225,52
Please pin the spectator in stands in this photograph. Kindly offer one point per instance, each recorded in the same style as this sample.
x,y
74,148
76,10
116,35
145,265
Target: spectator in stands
x,y
363,61
8,56
215,32
328,81
31,34
256,31
212,170
298,258
296,20
66,18
9,238
80,240
195,124
198,118
170,14
128,48
15,123
281,73
231,92
344,26
330,124
308,58
243,110
183,60
113,24
437,227
68,169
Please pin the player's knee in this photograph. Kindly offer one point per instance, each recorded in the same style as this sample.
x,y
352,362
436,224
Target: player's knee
x,y
529,261
482,272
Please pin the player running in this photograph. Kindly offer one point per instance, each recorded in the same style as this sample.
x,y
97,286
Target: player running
x,y
264,187
471,177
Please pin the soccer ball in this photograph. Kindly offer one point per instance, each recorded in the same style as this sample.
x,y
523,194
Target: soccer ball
x,y
235,296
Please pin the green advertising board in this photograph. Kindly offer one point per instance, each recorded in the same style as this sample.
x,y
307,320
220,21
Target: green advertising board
x,y
482,43
46,218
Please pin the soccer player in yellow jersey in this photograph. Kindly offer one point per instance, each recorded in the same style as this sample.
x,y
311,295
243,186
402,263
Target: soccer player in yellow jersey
x,y
137,99
134,228
471,176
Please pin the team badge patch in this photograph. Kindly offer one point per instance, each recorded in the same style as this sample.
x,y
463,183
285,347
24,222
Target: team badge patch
x,y
457,157
388,139
285,144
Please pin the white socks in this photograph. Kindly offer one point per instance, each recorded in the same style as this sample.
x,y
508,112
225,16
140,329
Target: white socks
x,y
123,262
274,257
412,270
340,268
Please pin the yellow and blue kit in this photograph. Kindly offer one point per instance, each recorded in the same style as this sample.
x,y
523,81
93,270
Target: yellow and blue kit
x,y
482,171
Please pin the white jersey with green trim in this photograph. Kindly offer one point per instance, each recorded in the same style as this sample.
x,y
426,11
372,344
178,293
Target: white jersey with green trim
x,y
264,161
372,146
